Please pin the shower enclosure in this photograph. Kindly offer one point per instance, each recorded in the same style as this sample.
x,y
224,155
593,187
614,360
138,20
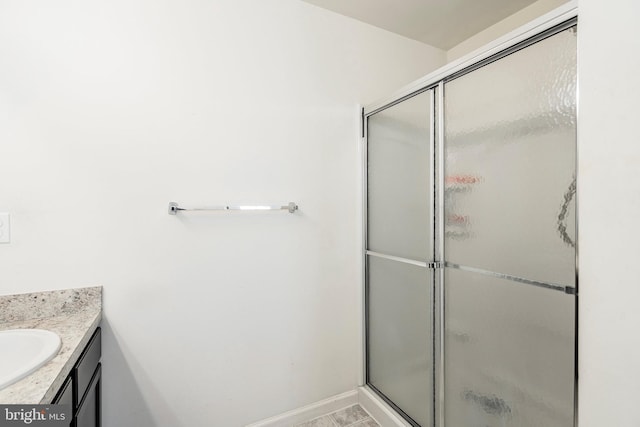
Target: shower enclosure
x,y
470,241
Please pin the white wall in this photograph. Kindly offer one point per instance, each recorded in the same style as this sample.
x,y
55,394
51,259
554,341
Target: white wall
x,y
109,110
609,200
503,27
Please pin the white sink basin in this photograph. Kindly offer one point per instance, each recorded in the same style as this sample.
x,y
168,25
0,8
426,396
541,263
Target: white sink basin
x,y
23,351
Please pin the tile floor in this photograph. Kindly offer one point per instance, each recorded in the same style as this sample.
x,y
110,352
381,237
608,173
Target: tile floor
x,y
353,416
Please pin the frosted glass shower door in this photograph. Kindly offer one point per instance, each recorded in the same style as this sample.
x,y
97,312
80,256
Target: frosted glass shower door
x,y
399,246
510,233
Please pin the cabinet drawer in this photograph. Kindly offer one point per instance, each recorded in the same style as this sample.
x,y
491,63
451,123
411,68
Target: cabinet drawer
x,y
89,413
86,366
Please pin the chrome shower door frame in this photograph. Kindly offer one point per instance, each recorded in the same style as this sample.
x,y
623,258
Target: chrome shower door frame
x,y
545,26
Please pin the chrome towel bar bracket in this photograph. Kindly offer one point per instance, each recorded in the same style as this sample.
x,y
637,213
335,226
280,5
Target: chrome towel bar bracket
x,y
174,208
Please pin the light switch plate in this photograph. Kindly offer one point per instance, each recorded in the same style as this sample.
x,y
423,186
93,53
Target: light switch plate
x,y
5,229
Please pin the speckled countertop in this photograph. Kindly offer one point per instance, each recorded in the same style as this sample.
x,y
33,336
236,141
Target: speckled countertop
x,y
73,314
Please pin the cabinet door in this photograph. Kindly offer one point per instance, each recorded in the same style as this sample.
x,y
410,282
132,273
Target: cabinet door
x,y
89,412
65,397
86,367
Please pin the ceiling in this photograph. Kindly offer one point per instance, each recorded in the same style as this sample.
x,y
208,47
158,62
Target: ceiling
x,y
440,23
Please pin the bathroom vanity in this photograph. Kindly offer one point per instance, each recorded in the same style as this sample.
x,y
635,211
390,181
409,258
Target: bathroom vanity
x,y
73,376
81,389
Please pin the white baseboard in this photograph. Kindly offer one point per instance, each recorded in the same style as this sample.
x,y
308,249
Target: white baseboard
x,y
379,409
309,412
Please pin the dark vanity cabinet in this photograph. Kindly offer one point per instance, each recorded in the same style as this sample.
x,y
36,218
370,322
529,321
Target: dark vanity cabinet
x,y
82,388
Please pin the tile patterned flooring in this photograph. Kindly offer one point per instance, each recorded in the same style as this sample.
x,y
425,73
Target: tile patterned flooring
x,y
353,416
